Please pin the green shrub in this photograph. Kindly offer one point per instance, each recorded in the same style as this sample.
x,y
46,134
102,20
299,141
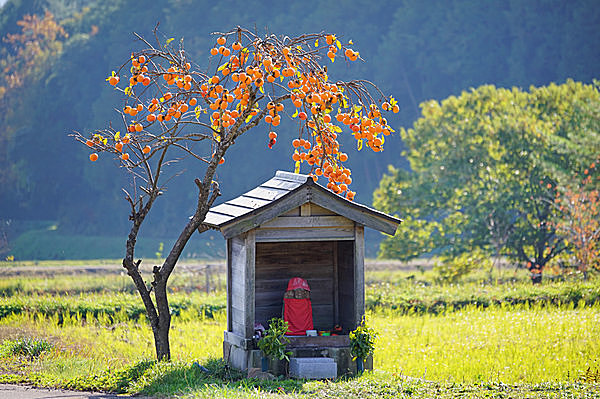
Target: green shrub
x,y
30,347
451,269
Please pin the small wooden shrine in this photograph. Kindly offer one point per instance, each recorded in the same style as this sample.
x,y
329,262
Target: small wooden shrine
x,y
288,227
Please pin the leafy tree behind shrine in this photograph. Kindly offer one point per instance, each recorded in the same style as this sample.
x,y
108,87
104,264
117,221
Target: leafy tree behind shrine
x,y
487,168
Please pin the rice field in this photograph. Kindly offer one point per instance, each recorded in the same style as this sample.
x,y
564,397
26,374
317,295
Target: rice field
x,y
511,345
535,341
507,344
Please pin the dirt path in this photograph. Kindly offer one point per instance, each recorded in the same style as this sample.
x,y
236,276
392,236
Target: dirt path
x,y
8,391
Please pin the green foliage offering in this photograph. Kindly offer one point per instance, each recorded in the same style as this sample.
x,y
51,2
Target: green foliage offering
x,y
486,168
362,341
30,347
274,342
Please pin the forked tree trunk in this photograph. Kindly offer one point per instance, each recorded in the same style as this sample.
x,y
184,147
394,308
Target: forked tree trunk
x,y
160,314
158,311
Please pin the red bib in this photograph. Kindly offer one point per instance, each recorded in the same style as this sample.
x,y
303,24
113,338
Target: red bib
x,y
298,314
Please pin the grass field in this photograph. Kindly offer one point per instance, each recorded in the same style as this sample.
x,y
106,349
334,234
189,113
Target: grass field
x,y
490,335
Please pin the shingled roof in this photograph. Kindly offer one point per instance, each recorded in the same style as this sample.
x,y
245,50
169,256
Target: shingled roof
x,y
282,193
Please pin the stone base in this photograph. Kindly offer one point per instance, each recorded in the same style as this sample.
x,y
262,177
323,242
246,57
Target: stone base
x,y
235,356
316,368
240,354
341,356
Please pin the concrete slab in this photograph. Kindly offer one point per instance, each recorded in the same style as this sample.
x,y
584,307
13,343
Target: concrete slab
x,y
313,368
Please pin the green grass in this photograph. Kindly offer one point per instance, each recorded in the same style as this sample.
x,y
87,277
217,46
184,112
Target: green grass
x,y
24,347
508,344
185,380
416,297
397,291
391,385
104,308
485,337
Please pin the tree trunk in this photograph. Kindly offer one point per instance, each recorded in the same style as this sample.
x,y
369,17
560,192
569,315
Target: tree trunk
x,y
536,278
161,332
161,342
536,271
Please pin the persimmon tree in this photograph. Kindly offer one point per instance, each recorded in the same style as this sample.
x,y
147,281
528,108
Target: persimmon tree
x,y
580,224
173,109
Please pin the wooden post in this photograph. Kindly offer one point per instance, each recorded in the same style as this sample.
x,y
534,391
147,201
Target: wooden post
x,y
250,244
229,281
359,273
336,290
238,285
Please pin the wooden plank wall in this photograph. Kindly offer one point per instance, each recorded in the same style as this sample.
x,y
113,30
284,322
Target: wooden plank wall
x,y
277,262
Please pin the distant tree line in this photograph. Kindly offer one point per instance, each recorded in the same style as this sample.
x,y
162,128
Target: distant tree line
x,y
438,48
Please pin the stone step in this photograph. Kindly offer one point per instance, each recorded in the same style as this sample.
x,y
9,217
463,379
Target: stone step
x,y
315,368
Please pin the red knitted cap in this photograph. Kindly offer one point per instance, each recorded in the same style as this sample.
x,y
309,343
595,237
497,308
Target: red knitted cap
x,y
297,282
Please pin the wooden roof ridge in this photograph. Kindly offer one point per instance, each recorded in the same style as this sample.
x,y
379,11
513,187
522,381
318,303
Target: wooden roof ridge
x,y
282,193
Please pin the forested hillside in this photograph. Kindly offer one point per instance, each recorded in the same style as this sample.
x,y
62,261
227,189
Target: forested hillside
x,y
54,67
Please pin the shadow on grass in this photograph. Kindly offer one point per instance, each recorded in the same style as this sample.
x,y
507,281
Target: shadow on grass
x,y
179,378
115,380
